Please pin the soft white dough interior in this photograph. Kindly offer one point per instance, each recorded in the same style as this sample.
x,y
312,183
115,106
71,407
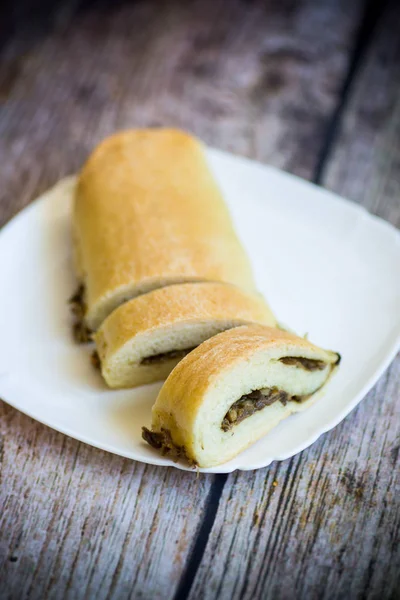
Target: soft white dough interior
x,y
124,367
212,443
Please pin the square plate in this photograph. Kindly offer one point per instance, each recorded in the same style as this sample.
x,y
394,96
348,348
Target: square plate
x,y
327,267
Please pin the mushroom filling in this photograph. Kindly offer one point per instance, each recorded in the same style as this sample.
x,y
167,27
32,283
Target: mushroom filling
x,y
78,307
251,403
95,360
165,356
162,440
309,364
256,400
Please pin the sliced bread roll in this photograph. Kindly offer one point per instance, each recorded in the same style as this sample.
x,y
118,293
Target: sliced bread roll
x,y
148,213
233,389
143,340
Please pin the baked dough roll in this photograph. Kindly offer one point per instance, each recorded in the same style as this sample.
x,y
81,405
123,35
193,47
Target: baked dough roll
x,y
143,340
148,213
233,389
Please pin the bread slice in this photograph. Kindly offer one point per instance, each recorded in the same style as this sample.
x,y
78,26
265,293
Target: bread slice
x,y
143,340
233,389
148,213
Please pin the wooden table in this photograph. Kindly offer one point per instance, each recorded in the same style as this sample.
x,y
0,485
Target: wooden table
x,y
311,87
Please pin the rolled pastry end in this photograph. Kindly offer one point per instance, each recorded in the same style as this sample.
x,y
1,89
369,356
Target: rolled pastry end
x,y
233,389
144,339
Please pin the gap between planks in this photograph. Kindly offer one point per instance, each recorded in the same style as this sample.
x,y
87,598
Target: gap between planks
x,y
372,13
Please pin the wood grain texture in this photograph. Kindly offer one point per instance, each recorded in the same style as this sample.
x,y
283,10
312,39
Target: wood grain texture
x,y
255,79
365,160
77,522
259,79
325,524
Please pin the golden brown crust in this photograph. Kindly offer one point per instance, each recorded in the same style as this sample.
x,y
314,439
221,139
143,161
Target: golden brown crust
x,y
147,213
176,305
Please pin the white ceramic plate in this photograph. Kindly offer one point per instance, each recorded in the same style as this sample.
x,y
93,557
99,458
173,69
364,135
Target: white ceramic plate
x,y
327,267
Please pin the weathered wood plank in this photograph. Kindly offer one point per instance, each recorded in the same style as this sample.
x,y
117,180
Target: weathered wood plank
x,y
370,136
77,522
326,523
258,80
